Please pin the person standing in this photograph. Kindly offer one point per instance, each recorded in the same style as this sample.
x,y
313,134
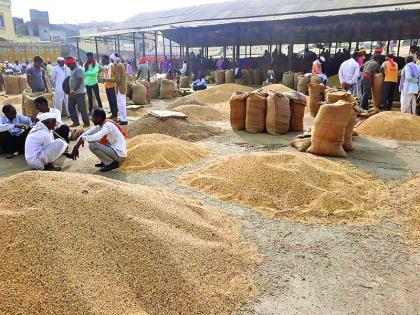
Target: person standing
x,y
349,72
390,70
17,68
107,140
14,129
77,93
109,82
62,130
41,150
166,65
59,74
91,68
121,87
409,86
369,70
129,69
144,70
37,79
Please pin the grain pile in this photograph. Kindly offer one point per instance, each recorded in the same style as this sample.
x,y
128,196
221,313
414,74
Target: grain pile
x,y
66,249
156,152
405,205
275,88
391,125
174,127
201,113
212,95
292,185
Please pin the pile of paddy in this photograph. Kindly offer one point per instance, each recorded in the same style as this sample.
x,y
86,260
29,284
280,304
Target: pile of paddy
x,y
92,245
201,113
392,126
156,152
174,127
297,186
215,94
277,88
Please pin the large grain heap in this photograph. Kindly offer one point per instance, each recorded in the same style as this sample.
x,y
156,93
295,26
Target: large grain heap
x,y
392,126
157,151
66,249
212,95
174,127
291,185
201,113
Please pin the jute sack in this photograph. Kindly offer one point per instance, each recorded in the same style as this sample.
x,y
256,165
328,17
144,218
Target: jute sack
x,y
303,84
288,79
167,89
238,110
297,110
278,114
245,75
229,76
184,82
316,96
257,77
129,90
256,111
329,129
240,81
148,87
139,94
348,133
377,84
28,106
301,144
23,83
335,96
296,76
11,85
155,89
220,77
315,79
250,78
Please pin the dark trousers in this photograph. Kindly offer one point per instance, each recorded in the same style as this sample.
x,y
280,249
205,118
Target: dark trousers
x,y
367,92
388,91
112,99
11,144
95,89
199,87
64,132
79,100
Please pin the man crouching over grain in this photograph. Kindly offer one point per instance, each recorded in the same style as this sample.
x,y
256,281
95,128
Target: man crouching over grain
x,y
107,140
41,150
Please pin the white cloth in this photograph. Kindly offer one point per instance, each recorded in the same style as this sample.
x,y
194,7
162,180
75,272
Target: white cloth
x,y
115,139
59,98
408,103
58,75
183,70
349,72
56,114
41,148
122,105
17,68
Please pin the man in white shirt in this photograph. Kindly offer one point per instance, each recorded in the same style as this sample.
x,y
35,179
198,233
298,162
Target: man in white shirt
x,y
41,150
59,73
106,140
61,130
349,72
17,68
183,70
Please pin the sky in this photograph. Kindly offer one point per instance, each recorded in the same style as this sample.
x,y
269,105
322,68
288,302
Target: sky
x,y
78,11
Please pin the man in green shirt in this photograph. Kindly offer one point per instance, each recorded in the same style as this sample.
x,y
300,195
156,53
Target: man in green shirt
x,y
91,68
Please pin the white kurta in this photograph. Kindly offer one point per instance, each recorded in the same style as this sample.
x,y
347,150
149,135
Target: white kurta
x,y
349,72
57,77
41,148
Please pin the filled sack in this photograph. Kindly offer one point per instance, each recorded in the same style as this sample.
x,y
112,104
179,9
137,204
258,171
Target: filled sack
x,y
139,95
303,84
237,104
288,79
167,89
316,96
377,84
220,77
297,110
229,76
28,106
256,110
278,114
184,82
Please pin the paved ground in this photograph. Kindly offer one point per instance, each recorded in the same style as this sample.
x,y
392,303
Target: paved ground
x,y
310,269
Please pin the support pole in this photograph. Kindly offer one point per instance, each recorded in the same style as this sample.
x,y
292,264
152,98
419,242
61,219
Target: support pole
x,y
78,49
290,52
164,48
156,47
188,53
118,41
399,45
180,52
115,44
134,50
350,48
371,46
238,53
387,47
144,44
170,49
97,50
250,51
335,49
224,51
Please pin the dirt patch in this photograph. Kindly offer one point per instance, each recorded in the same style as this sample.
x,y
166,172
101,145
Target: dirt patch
x,y
292,185
156,152
392,126
92,245
174,127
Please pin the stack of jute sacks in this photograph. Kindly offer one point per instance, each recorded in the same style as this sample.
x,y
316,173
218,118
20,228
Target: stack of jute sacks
x,y
28,98
141,92
14,85
275,113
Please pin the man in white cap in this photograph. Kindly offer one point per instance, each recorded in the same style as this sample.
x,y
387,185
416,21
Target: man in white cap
x,y
121,87
41,150
60,72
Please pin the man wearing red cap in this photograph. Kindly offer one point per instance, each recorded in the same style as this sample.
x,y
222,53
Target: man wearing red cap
x,y
77,93
144,70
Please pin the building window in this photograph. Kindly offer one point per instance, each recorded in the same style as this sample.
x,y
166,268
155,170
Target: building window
x,y
2,21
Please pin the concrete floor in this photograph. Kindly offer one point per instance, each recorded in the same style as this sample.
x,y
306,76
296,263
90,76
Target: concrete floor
x,y
308,268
